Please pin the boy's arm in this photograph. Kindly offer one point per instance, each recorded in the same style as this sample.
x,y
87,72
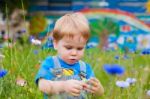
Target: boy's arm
x,y
50,87
72,87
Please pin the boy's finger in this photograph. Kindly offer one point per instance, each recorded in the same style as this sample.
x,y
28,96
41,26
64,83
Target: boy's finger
x,y
74,94
76,91
93,83
91,89
94,79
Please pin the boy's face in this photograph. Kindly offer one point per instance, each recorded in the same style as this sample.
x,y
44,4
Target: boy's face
x,y
70,49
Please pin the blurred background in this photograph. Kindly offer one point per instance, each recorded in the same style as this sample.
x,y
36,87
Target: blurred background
x,y
119,23
118,49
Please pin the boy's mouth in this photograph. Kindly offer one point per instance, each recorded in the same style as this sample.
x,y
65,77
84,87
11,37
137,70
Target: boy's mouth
x,y
73,60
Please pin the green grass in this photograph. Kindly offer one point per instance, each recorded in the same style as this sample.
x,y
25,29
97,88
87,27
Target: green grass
x,y
22,62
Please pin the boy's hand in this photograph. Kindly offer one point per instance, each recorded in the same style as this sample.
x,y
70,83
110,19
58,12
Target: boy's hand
x,y
73,87
94,86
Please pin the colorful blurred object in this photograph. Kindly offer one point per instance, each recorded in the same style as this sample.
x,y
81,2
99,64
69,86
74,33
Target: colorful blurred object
x,y
120,27
115,14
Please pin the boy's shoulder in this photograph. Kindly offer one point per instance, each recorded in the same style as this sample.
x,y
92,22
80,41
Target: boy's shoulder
x,y
49,58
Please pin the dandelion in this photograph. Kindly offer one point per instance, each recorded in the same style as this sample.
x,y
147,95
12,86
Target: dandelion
x,y
131,80
122,84
113,69
2,73
21,82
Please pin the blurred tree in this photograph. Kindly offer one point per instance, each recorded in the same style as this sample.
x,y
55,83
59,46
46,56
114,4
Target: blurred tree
x,y
103,27
38,24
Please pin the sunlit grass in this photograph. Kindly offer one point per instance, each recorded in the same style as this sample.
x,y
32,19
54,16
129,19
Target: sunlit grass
x,y
23,62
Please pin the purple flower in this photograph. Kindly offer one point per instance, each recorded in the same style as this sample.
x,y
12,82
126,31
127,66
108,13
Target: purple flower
x,y
31,37
131,80
113,69
2,73
23,30
122,84
148,93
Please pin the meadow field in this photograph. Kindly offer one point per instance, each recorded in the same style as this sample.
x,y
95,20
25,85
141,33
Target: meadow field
x,y
24,61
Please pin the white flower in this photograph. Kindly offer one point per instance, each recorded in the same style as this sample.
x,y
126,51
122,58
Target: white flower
x,y
2,56
122,84
36,42
131,80
148,93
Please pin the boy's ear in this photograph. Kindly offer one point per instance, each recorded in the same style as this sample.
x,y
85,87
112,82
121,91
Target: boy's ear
x,y
55,44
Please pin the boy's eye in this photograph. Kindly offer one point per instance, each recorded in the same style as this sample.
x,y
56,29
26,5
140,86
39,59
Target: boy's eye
x,y
68,47
80,48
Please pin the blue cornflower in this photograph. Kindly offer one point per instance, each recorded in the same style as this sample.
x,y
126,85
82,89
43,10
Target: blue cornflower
x,y
145,51
116,57
126,57
114,69
2,73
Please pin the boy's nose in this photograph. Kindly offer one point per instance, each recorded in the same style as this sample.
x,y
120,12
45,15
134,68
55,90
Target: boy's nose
x,y
74,52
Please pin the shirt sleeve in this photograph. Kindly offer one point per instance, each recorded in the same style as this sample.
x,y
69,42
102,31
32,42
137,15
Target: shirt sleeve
x,y
89,71
44,71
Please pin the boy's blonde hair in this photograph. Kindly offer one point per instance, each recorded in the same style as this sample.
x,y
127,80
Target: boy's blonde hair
x,y
70,25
